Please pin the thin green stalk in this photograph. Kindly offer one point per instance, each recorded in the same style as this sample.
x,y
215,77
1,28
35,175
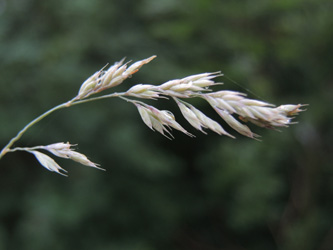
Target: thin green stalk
x,y
72,102
25,149
98,98
6,149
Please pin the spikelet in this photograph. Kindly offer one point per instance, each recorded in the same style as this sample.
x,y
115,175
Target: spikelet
x,y
106,79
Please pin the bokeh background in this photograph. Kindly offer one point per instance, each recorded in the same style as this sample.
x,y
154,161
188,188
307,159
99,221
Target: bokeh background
x,y
206,193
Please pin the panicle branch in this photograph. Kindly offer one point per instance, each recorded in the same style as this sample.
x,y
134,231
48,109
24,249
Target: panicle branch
x,y
62,150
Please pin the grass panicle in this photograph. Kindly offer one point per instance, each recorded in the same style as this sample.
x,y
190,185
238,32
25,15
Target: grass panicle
x,y
229,105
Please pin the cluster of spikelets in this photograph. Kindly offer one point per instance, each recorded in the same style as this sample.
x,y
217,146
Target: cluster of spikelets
x,y
62,150
227,105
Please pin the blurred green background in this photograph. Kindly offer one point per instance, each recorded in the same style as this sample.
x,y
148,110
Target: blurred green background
x,y
209,192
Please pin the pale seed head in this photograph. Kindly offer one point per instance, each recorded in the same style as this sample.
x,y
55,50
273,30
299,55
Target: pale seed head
x,y
143,91
136,66
110,78
47,162
236,125
64,150
291,109
159,120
